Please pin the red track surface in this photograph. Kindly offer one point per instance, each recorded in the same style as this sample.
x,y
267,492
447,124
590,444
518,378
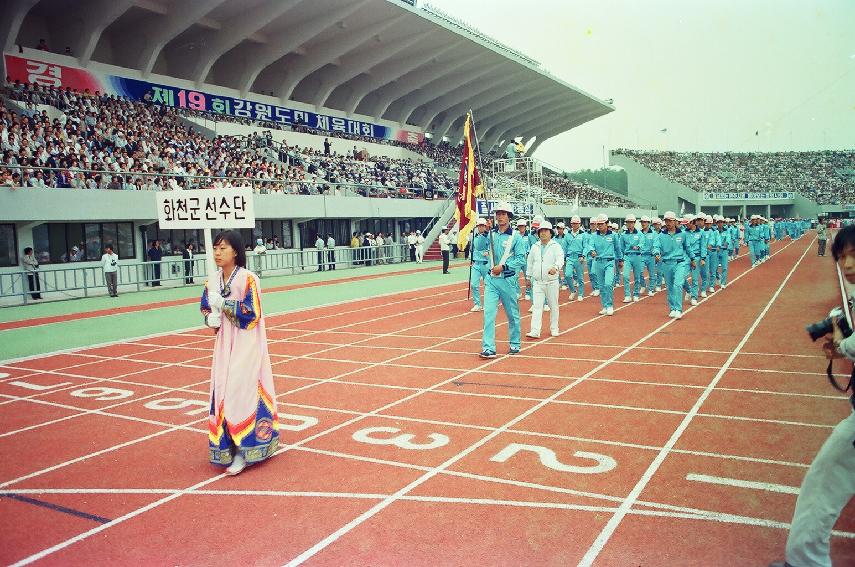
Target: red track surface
x,y
630,440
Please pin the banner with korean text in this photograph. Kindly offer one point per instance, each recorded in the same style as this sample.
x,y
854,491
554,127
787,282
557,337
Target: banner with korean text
x,y
33,70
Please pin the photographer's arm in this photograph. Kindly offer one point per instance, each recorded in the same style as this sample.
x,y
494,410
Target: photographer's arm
x,y
839,346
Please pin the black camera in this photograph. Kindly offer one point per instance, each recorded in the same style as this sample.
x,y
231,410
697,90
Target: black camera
x,y
825,327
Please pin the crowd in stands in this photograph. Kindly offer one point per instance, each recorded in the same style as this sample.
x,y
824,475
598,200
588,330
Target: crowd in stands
x,y
827,177
98,141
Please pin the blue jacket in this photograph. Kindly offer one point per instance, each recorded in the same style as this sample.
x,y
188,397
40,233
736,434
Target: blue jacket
x,y
713,239
753,233
697,247
674,247
650,242
514,243
724,238
480,244
631,242
607,246
575,245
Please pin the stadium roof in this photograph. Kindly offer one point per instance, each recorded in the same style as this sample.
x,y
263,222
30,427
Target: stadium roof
x,y
386,59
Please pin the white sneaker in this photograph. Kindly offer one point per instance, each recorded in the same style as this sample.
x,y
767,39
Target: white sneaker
x,y
532,336
602,311
679,315
579,298
723,286
672,314
704,293
554,333
642,290
563,287
610,311
546,307
712,289
476,308
595,292
694,301
238,464
650,293
635,298
531,309
627,300
573,296
688,296
658,288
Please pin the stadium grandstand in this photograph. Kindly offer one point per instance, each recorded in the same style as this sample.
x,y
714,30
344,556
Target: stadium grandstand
x,y
323,108
776,184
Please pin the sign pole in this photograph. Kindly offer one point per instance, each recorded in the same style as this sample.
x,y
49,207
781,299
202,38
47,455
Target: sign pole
x,y
210,265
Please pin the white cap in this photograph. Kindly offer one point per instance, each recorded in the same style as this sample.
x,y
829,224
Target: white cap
x,y
575,218
543,225
755,217
630,218
700,216
707,219
417,232
504,206
522,222
537,219
561,225
614,225
657,220
715,218
645,219
481,221
670,215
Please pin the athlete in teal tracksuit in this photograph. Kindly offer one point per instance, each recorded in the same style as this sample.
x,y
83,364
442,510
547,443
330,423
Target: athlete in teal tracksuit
x,y
674,262
724,246
709,272
753,235
480,262
631,242
658,226
524,236
507,254
575,246
698,255
604,248
767,237
649,251
734,238
560,238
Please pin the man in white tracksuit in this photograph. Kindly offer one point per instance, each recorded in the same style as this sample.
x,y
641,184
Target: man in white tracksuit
x,y
545,261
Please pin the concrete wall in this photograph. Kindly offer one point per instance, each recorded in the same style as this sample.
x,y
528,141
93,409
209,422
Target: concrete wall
x,y
646,185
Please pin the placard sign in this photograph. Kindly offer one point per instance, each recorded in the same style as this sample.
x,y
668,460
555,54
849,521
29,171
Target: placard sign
x,y
206,208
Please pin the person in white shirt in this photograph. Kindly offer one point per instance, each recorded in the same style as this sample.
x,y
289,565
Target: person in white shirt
x,y
420,242
259,249
31,267
319,244
331,250
445,248
545,261
411,245
110,263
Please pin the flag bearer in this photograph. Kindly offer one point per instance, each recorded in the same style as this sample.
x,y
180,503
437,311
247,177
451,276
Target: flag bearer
x,y
507,255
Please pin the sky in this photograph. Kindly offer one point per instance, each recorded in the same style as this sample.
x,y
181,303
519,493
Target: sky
x,y
717,75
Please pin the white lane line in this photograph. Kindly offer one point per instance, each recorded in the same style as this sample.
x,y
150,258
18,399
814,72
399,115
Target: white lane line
x,y
610,527
767,486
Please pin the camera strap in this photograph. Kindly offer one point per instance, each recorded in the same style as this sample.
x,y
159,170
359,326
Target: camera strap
x,y
834,381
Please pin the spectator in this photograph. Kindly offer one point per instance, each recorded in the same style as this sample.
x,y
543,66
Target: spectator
x,y
155,254
42,46
187,255
110,264
31,268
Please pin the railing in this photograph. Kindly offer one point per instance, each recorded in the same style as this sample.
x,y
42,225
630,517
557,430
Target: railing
x,y
75,282
179,182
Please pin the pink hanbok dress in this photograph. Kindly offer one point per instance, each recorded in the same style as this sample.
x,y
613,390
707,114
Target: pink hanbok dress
x,y
243,402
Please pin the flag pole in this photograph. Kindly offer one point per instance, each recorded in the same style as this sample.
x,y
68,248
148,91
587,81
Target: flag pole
x,y
486,184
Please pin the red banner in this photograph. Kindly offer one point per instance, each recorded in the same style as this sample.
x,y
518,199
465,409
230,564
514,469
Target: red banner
x,y
468,188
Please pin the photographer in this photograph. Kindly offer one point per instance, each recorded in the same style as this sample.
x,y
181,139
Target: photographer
x,y
110,264
830,482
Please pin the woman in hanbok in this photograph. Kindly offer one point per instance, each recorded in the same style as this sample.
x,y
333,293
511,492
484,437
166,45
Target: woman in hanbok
x,y
242,426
